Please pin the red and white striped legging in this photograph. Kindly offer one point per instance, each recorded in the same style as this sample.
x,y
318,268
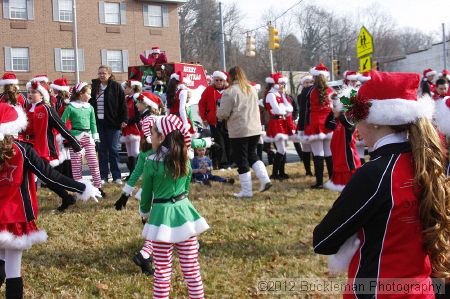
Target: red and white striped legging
x,y
188,254
91,157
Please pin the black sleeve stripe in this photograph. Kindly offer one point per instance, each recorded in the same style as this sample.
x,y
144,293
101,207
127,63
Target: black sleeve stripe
x,y
354,214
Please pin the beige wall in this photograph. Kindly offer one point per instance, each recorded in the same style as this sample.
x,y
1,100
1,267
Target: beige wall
x,y
43,34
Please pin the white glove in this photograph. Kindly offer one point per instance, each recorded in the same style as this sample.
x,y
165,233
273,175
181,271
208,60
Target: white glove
x,y
90,192
340,261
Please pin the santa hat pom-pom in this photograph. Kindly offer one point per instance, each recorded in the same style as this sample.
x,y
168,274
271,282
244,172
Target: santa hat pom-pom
x,y
89,192
443,115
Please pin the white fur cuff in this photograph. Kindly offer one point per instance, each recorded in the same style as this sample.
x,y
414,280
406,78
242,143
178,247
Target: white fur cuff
x,y
89,192
127,189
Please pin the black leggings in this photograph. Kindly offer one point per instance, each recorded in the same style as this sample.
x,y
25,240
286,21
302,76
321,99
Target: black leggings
x,y
243,152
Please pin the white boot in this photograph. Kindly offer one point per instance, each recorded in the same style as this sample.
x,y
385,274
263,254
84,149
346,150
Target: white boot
x,y
246,185
261,173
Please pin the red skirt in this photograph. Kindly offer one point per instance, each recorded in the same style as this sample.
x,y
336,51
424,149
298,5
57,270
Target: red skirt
x,y
277,129
316,128
130,130
21,235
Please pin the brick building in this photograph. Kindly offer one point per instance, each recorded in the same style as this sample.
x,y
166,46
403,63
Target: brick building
x,y
37,35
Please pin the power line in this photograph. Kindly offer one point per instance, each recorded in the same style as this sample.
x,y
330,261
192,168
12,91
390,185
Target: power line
x,y
274,20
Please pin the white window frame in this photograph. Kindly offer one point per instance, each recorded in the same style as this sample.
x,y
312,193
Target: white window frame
x,y
108,60
108,13
160,16
69,12
11,7
67,55
27,60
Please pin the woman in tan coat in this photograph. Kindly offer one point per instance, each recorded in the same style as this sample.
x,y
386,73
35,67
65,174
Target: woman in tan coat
x,y
239,107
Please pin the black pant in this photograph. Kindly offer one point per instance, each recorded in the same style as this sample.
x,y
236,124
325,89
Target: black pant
x,y
244,152
221,151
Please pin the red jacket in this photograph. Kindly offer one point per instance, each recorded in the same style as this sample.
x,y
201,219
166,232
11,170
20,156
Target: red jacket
x,y
207,107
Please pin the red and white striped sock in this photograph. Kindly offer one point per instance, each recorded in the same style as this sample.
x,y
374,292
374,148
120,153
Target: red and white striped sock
x,y
77,164
162,257
147,249
188,254
91,157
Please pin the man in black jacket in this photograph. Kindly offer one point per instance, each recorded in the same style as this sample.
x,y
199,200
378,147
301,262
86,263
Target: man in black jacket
x,y
108,100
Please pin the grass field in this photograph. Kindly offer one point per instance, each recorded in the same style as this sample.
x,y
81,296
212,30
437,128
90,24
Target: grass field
x,y
89,250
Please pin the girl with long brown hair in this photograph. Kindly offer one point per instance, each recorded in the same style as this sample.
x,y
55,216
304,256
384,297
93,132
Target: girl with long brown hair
x,y
394,212
11,92
173,222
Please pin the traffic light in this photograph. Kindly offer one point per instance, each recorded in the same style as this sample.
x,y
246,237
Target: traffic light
x,y
336,67
376,65
273,38
250,46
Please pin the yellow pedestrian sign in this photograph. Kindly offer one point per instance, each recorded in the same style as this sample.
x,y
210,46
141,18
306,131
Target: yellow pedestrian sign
x,y
365,64
364,45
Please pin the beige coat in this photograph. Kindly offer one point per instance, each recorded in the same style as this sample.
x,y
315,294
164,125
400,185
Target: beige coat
x,y
241,112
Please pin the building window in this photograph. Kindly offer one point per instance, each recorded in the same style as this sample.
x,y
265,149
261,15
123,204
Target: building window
x,y
18,9
114,60
112,13
156,15
65,10
19,59
67,60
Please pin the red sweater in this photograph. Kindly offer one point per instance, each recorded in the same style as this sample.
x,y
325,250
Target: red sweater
x,y
207,107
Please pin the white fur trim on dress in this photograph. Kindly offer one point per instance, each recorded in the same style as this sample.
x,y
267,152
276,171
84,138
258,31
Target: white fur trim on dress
x,y
127,189
89,192
277,137
320,136
16,126
315,72
164,233
9,81
431,73
59,87
399,111
11,241
333,187
442,117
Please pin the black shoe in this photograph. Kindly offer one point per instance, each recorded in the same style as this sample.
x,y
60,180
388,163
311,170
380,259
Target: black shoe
x,y
309,174
102,192
317,186
14,288
66,202
230,181
2,272
121,202
283,176
145,264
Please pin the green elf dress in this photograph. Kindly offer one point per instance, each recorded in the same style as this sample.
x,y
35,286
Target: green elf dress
x,y
169,222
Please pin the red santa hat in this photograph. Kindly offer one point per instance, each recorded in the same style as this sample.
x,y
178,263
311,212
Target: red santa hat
x,y
364,77
351,75
320,69
12,120
156,50
220,75
179,76
9,78
39,87
169,123
429,72
256,86
60,84
131,83
276,78
445,74
148,98
79,86
390,99
40,78
443,115
307,77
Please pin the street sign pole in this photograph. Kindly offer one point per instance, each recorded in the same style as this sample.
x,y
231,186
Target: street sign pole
x,y
271,61
364,50
222,40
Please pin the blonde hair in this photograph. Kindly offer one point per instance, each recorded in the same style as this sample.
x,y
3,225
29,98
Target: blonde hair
x,y
322,87
237,74
434,193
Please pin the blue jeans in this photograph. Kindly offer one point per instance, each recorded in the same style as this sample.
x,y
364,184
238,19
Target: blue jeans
x,y
202,177
108,151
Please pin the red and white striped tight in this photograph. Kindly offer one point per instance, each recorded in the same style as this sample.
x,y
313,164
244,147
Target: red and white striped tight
x,y
188,254
91,157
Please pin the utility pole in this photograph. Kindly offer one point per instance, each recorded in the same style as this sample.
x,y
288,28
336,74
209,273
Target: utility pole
x,y
222,40
331,52
444,42
75,41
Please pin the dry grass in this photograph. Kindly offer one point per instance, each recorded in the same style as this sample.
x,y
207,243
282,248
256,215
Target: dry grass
x,y
88,254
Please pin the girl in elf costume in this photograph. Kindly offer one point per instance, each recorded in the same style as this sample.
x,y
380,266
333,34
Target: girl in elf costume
x,y
11,92
131,134
172,220
82,117
18,201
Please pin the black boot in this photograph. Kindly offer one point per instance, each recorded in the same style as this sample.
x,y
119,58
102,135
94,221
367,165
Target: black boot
x,y
145,264
2,272
307,163
318,170
283,175
259,151
67,201
329,162
298,149
131,164
270,157
121,202
276,166
14,288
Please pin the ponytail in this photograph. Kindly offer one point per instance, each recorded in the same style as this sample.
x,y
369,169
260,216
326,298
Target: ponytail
x,y
434,193
11,94
322,87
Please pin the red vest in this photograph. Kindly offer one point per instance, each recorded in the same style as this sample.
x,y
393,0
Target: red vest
x,y
207,107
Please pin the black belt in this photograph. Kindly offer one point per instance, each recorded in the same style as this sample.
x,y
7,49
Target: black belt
x,y
277,117
173,199
82,130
